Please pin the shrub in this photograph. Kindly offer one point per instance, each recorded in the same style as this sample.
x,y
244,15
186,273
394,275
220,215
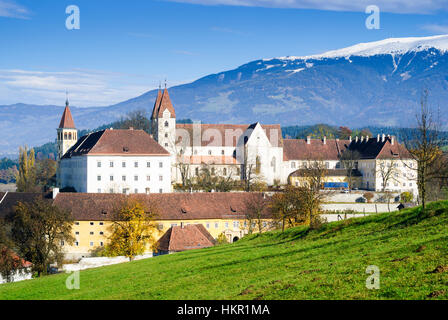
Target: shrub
x,y
369,196
406,197
221,239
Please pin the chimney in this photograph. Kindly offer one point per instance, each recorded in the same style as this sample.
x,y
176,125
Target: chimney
x,y
383,137
152,137
308,140
55,192
325,140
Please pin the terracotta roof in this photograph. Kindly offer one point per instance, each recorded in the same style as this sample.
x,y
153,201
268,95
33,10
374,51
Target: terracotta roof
x,y
116,142
170,206
227,135
156,104
8,200
185,238
163,102
298,149
18,261
67,119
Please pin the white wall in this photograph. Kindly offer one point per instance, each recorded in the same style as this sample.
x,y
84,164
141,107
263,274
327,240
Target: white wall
x,y
100,166
20,275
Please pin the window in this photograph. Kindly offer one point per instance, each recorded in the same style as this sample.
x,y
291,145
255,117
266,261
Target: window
x,y
213,171
160,164
77,233
209,152
160,178
135,178
196,171
91,244
98,178
123,164
160,190
111,190
101,223
135,164
208,225
148,178
293,165
101,233
98,164
166,135
216,225
125,190
135,190
99,190
77,223
111,164
222,152
148,164
166,124
166,144
236,224
101,244
77,243
111,178
265,224
224,171
148,190
160,226
123,178
92,233
91,223
226,224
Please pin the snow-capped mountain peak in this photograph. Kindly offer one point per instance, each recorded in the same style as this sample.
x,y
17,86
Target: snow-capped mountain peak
x,y
388,46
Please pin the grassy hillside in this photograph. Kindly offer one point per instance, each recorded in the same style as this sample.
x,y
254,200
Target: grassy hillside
x,y
410,250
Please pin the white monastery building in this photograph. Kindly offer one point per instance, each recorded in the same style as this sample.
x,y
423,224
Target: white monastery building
x,y
112,161
131,161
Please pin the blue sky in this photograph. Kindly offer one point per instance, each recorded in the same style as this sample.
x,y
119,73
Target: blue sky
x,y
124,48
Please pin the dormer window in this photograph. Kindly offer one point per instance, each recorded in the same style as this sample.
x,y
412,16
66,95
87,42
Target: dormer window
x,y
125,149
232,209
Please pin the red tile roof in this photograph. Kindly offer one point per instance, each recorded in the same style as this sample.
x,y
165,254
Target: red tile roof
x,y
183,238
163,102
116,142
67,119
169,206
19,262
227,135
298,149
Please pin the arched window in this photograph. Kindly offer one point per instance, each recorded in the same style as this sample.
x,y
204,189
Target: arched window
x,y
69,136
166,124
65,135
257,165
224,171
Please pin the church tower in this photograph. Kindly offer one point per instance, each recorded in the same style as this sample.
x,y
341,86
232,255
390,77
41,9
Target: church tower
x,y
163,121
67,133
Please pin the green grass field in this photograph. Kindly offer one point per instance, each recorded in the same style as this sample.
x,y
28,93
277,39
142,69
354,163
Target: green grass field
x,y
410,249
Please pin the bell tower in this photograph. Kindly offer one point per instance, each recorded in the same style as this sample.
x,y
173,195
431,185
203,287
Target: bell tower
x,y
163,121
67,133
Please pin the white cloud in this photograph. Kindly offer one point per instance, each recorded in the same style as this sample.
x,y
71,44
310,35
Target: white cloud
x,y
436,28
395,6
11,9
85,87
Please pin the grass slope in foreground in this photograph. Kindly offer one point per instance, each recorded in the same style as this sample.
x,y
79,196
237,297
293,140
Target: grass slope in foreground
x,y
410,250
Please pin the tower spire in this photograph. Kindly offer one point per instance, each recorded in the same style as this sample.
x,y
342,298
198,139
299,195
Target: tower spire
x,y
66,98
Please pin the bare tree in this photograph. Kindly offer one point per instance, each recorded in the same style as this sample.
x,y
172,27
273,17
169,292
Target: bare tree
x,y
424,146
387,171
255,212
349,160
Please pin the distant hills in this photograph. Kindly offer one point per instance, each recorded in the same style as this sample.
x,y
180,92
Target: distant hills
x,y
370,84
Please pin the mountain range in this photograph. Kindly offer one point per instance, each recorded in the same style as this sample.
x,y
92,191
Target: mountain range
x,y
377,83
